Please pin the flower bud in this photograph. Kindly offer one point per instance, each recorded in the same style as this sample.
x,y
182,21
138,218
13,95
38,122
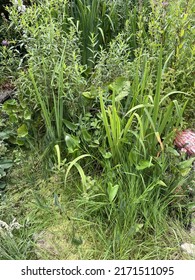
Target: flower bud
x,y
5,43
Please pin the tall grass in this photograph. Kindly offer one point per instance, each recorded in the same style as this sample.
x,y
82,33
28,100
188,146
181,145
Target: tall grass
x,y
146,121
137,177
99,22
53,117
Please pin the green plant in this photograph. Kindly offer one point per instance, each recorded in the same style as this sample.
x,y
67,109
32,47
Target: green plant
x,y
173,27
138,180
5,161
18,120
54,76
99,21
145,121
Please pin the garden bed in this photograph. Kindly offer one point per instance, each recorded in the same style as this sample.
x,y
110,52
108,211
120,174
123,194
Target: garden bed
x,y
99,136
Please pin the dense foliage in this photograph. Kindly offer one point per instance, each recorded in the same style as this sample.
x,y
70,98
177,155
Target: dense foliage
x,y
102,89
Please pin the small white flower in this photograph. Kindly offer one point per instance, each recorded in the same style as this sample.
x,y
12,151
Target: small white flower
x,y
7,229
22,8
14,225
4,225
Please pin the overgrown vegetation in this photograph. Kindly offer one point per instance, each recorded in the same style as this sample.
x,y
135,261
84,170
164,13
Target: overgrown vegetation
x,y
102,89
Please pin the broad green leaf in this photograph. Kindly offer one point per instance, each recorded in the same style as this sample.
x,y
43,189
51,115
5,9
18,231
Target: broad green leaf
x,y
186,163
104,153
143,164
112,191
86,135
70,125
4,135
107,155
88,95
173,151
2,173
6,164
27,115
10,105
2,185
22,131
118,85
132,157
185,172
19,142
125,91
71,142
13,118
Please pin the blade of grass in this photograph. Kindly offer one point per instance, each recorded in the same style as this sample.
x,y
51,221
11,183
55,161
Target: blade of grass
x,y
72,163
158,89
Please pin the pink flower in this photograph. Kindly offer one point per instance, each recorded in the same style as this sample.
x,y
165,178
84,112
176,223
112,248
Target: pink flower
x,y
5,43
165,4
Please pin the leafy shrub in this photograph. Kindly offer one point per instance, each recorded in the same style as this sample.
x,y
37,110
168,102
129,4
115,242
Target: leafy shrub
x,y
54,55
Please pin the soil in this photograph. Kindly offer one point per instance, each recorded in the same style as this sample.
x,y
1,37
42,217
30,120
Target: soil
x,y
7,90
